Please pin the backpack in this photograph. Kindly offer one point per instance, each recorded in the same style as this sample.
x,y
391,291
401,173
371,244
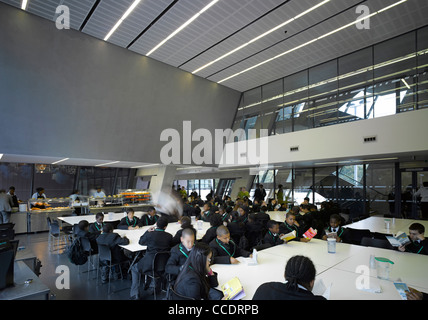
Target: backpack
x,y
75,253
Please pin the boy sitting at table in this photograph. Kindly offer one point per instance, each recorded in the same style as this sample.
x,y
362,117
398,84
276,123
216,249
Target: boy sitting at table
x,y
180,253
418,244
335,229
272,236
225,251
289,225
129,222
149,218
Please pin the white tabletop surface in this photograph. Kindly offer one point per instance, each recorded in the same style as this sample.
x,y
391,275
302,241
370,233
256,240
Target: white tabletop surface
x,y
172,228
377,224
108,217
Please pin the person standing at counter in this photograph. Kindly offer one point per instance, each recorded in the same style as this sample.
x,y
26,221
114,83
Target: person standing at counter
x,y
14,197
99,193
40,194
6,204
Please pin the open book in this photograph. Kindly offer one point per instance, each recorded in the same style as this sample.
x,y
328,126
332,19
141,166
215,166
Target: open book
x,y
233,289
310,233
402,289
289,236
400,239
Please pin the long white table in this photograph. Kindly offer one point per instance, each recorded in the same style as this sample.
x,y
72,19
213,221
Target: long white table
x,y
108,217
172,228
377,224
336,269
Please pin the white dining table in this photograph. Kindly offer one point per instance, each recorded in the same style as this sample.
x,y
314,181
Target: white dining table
x,y
108,217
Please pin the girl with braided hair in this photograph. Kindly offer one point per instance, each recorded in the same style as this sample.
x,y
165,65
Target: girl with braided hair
x,y
300,278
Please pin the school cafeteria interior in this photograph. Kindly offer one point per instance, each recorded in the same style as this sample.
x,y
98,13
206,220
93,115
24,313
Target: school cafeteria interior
x,y
213,150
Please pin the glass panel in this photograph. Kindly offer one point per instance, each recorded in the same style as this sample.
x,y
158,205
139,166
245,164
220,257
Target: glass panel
x,y
19,176
380,190
302,185
422,89
58,181
296,93
325,184
350,192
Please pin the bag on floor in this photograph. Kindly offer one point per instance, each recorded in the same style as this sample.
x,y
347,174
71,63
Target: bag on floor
x,y
76,255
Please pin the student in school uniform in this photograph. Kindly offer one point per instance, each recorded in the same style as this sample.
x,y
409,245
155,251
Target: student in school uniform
x,y
113,241
180,253
97,226
300,278
253,231
272,236
335,227
205,212
225,251
262,217
215,222
289,226
196,279
186,223
82,231
130,222
418,243
150,217
157,240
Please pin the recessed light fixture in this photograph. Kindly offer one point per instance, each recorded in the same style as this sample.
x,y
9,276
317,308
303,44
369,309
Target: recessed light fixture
x,y
261,36
407,85
313,40
24,4
182,26
62,160
106,164
125,15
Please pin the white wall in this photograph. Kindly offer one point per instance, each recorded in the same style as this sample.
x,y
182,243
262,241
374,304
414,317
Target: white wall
x,y
405,133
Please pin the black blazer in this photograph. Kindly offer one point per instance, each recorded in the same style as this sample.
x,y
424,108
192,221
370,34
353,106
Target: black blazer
x,y
416,247
95,228
192,286
278,291
148,220
222,251
179,255
113,241
91,236
125,223
272,239
286,228
177,236
210,235
156,241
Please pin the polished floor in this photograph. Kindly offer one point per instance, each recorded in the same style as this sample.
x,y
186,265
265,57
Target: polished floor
x,y
83,284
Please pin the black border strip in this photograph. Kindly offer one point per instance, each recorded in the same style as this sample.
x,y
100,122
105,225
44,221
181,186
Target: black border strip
x,y
152,23
232,34
97,2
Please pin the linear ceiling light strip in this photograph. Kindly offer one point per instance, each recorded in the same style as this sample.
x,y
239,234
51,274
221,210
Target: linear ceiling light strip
x,y
312,41
182,26
261,36
125,15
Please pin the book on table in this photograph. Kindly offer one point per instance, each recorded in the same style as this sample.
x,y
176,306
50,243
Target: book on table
x,y
402,289
289,236
400,239
310,233
233,289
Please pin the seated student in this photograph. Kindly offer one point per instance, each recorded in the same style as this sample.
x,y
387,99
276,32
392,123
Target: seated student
x,y
225,251
272,237
300,278
113,241
129,222
97,226
305,216
83,232
215,222
418,244
149,218
283,207
253,231
205,212
289,226
225,213
156,240
196,279
186,223
273,205
242,216
180,253
262,217
335,226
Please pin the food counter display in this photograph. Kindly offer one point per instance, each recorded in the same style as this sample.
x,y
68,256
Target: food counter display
x,y
134,196
41,209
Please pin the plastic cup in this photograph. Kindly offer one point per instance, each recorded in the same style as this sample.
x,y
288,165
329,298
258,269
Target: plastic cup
x,y
387,223
383,268
331,245
200,224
